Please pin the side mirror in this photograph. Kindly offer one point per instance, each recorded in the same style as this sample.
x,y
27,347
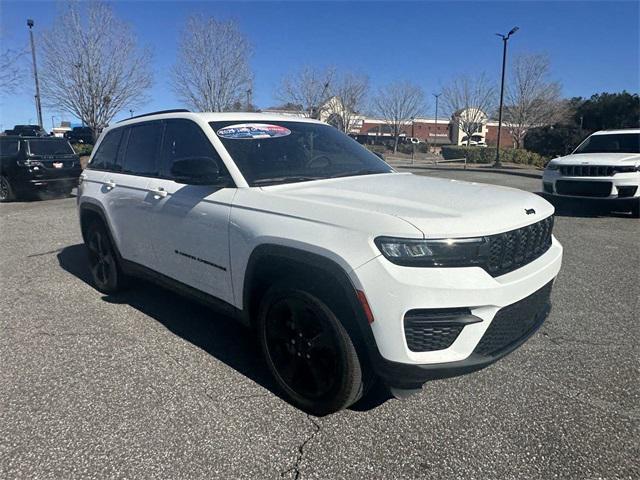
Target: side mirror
x,y
195,171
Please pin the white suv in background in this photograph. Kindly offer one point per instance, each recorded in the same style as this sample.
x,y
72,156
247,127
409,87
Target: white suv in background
x,y
348,271
605,166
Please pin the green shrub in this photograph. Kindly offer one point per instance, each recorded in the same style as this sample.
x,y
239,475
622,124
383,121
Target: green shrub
x,y
405,148
488,155
82,148
377,148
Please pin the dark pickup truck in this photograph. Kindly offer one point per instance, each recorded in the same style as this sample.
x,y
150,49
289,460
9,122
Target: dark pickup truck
x,y
31,164
79,135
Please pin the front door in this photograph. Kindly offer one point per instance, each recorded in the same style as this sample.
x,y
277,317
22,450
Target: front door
x,y
190,223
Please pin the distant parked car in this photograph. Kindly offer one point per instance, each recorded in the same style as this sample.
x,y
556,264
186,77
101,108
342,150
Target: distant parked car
x,y
29,164
29,131
79,135
606,166
476,141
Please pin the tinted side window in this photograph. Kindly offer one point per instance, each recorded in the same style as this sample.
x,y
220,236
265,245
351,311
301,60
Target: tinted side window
x,y
106,156
142,149
185,139
8,147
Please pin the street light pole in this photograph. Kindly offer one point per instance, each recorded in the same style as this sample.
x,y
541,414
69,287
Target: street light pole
x,y
505,39
35,72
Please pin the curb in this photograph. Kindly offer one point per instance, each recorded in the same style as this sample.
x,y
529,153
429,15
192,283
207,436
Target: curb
x,y
472,169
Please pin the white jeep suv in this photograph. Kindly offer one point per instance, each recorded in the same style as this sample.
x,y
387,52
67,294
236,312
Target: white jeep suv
x,y
606,166
349,271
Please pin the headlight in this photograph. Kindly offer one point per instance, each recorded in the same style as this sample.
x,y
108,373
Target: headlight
x,y
626,169
444,252
552,166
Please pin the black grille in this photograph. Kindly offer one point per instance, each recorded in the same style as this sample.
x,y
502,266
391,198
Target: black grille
x,y
512,250
427,330
583,188
515,322
586,170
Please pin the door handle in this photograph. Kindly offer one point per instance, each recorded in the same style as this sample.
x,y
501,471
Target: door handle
x,y
159,193
110,184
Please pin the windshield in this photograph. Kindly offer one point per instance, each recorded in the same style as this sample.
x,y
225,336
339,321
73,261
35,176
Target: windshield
x,y
611,143
50,146
284,152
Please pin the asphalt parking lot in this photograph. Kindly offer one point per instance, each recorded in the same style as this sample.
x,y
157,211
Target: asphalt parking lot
x,y
150,385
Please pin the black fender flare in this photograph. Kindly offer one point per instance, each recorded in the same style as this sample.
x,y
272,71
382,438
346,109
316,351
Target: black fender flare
x,y
357,324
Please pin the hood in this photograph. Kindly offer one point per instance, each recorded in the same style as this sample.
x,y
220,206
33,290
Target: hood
x,y
599,159
437,207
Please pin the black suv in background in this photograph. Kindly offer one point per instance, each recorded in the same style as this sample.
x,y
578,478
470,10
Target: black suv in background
x,y
27,131
79,135
31,164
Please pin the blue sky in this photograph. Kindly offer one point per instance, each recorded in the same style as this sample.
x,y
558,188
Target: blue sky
x,y
593,46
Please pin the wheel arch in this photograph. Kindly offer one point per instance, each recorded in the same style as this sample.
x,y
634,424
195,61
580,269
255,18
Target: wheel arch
x,y
90,211
269,263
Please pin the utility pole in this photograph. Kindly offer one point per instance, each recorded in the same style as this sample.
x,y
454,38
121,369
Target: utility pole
x,y
35,72
505,39
413,145
437,95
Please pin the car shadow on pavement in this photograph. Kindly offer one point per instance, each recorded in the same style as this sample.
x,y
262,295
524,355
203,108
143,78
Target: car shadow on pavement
x,y
570,207
221,336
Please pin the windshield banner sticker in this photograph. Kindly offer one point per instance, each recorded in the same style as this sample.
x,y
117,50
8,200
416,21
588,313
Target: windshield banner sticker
x,y
251,131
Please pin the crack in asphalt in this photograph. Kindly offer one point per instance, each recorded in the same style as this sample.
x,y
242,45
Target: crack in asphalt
x,y
301,448
45,253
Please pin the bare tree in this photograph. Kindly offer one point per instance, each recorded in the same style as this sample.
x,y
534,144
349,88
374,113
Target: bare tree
x,y
212,72
397,103
532,99
12,73
470,100
347,100
309,87
92,67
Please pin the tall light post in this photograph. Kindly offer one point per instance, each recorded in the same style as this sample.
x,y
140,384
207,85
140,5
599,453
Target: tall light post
x,y
505,39
35,72
413,145
437,95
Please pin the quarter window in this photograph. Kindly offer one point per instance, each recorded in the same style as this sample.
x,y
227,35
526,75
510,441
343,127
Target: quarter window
x,y
8,147
142,149
106,156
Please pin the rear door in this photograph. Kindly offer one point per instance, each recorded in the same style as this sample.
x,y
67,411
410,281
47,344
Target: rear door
x,y
190,223
126,197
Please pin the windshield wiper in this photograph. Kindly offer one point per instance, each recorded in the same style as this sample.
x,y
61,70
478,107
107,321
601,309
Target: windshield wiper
x,y
362,171
287,179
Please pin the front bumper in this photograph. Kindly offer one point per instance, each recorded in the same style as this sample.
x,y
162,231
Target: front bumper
x,y
531,311
392,291
619,187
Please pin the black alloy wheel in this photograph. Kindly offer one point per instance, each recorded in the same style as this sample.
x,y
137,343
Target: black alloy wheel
x,y
6,193
102,260
308,351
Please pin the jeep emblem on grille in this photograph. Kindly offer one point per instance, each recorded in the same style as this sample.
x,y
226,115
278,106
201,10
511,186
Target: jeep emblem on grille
x,y
529,211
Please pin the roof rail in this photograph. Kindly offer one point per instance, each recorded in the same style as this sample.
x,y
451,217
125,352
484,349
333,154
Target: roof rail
x,y
175,110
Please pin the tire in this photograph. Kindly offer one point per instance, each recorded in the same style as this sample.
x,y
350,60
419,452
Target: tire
x,y
635,208
105,270
308,351
6,192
